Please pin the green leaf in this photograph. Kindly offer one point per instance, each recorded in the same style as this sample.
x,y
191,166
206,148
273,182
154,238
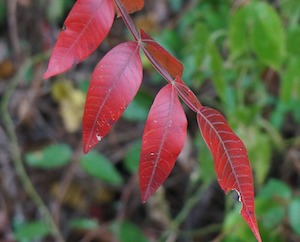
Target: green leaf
x,y
206,169
100,167
259,146
290,85
290,10
138,109
258,27
235,229
198,40
293,40
132,157
52,156
238,32
215,65
294,212
30,231
269,210
175,4
267,35
130,232
84,224
275,188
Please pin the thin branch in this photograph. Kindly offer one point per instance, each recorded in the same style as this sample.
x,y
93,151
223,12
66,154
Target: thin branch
x,y
13,29
14,147
127,20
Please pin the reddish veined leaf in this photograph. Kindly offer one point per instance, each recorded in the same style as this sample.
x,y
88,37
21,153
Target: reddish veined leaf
x,y
85,28
231,161
114,84
163,140
162,56
131,6
187,95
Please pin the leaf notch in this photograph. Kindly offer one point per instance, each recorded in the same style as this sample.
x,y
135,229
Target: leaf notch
x,y
231,161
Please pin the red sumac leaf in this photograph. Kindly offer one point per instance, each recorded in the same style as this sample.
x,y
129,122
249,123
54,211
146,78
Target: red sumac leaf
x,y
162,56
163,140
187,95
231,161
85,28
115,82
131,6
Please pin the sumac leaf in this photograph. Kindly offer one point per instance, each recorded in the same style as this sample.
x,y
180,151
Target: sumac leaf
x,y
85,28
162,56
231,161
115,82
187,95
131,6
163,140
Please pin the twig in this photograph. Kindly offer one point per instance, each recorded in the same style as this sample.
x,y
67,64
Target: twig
x,y
14,147
13,29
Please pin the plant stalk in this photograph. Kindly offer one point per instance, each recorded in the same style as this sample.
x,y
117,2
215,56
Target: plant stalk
x,y
14,147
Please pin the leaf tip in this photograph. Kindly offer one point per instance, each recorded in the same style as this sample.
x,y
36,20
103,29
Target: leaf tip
x,y
86,149
145,197
250,218
47,75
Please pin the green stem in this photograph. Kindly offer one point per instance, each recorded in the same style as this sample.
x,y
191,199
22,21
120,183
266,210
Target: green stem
x,y
14,147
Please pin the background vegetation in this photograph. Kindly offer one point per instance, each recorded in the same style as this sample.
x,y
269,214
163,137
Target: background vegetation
x,y
240,56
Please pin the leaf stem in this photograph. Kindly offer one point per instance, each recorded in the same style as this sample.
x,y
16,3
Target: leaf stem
x,y
182,89
162,71
15,151
128,20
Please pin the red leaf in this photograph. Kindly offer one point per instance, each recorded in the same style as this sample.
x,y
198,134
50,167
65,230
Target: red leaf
x,y
114,84
187,95
131,6
162,56
86,26
231,161
163,140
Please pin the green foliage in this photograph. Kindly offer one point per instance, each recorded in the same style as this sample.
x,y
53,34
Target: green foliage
x,y
127,231
31,231
294,211
84,224
100,167
257,27
52,156
138,109
132,157
2,12
275,204
57,8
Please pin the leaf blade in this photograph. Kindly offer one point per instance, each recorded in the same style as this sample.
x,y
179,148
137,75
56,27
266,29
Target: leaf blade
x,y
131,6
86,26
231,161
162,56
163,140
100,167
115,82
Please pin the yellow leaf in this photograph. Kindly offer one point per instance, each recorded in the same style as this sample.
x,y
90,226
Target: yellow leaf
x,y
71,104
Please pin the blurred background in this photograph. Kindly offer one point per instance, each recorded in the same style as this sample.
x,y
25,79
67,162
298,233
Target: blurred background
x,y
241,57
